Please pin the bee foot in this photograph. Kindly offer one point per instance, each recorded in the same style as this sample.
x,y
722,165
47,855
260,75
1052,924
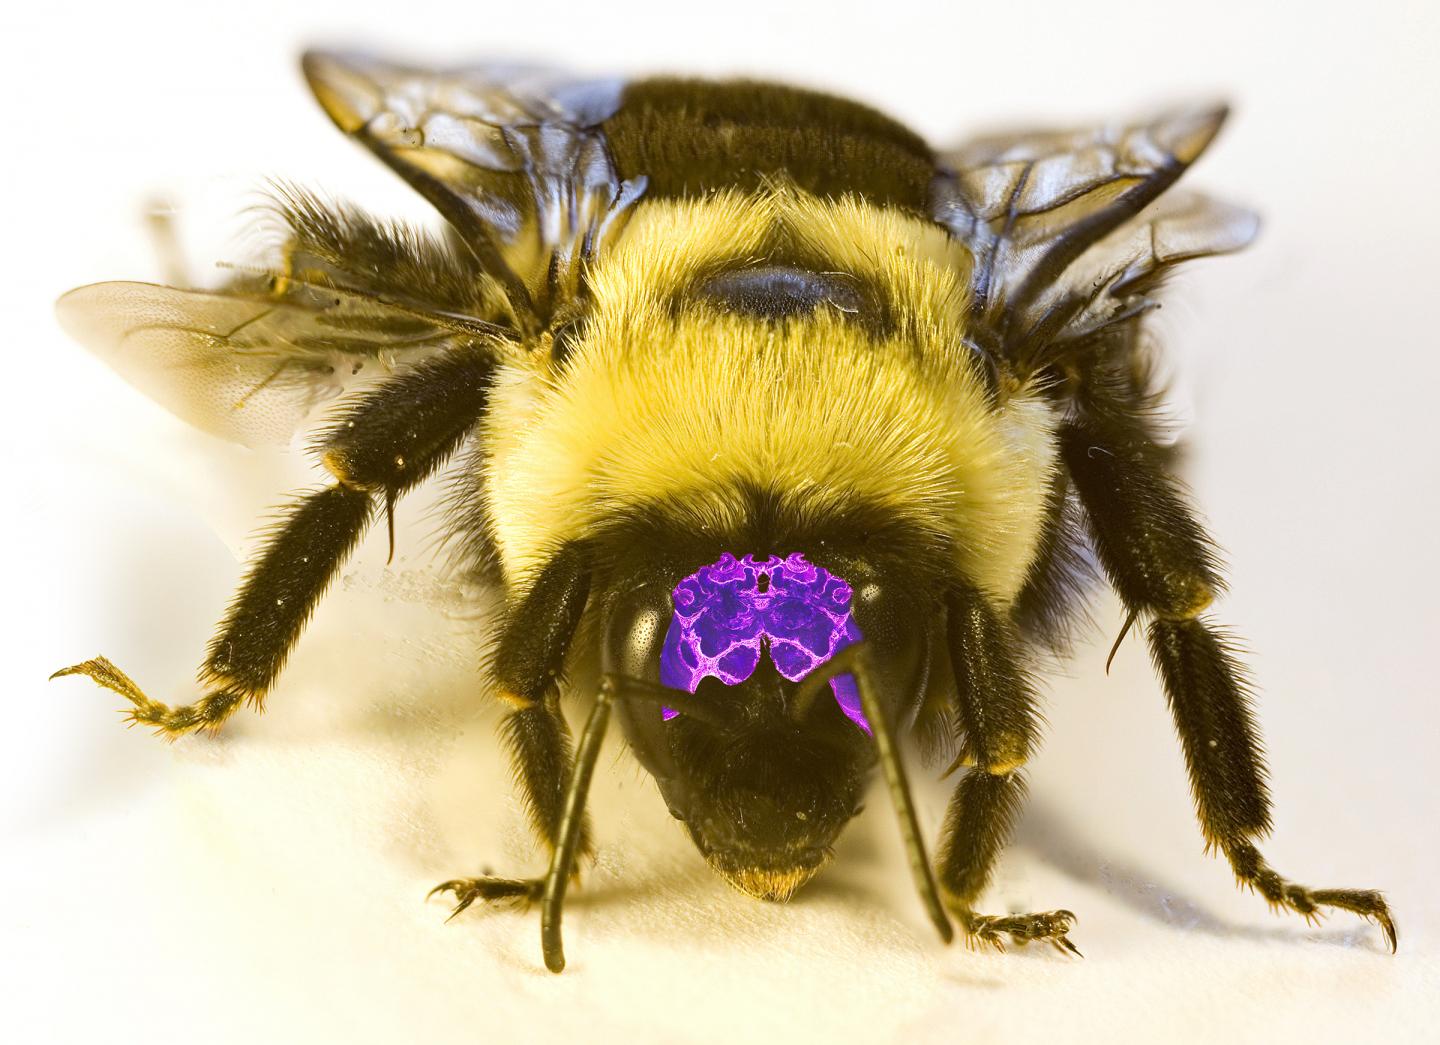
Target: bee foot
x,y
1281,894
170,722
1052,927
519,892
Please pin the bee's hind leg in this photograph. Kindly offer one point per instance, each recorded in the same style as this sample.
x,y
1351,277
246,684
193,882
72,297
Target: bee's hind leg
x,y
264,619
997,713
394,436
1212,716
1163,566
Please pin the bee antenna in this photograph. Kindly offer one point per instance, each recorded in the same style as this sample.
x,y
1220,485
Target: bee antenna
x,y
899,787
631,688
815,683
572,818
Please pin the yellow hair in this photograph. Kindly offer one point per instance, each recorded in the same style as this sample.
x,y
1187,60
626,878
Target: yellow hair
x,y
667,396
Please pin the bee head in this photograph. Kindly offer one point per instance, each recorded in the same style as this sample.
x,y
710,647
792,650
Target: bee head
x,y
763,779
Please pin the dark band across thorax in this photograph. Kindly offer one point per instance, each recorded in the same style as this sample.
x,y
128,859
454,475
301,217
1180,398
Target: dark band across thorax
x,y
692,137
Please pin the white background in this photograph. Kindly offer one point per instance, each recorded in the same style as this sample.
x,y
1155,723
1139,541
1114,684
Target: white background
x,y
269,885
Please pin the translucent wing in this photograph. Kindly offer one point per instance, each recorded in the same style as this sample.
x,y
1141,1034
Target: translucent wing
x,y
1114,281
249,367
1070,230
513,158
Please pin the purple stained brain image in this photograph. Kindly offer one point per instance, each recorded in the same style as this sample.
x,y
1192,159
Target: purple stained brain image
x,y
729,613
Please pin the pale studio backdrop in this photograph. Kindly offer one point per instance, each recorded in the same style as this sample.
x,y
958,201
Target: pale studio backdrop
x,y
269,885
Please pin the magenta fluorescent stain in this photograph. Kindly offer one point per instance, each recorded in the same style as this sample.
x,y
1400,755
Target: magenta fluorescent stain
x,y
729,613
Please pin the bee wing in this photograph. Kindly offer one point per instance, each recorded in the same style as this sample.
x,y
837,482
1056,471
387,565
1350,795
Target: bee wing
x,y
512,157
1069,230
247,367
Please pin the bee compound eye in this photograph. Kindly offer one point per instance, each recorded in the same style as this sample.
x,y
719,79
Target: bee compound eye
x,y
632,646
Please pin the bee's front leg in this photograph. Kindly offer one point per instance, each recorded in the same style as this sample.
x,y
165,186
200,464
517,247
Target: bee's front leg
x,y
520,891
569,843
997,712
553,784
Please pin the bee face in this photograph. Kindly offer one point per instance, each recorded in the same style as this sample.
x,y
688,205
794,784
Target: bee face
x,y
763,781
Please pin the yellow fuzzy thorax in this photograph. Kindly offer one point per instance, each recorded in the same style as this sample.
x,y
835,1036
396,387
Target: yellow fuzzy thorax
x,y
666,397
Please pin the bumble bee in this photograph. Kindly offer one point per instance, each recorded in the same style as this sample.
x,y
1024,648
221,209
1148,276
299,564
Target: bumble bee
x,y
805,429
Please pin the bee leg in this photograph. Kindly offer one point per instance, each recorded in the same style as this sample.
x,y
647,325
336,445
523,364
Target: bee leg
x,y
519,891
533,645
1211,706
997,712
394,436
540,751
264,619
528,663
571,844
1162,564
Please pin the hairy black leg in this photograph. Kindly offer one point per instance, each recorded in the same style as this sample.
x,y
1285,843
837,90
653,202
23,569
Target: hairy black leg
x,y
1163,566
489,889
538,741
266,616
1211,706
533,646
1059,576
531,655
399,433
568,849
1151,545
391,438
997,712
